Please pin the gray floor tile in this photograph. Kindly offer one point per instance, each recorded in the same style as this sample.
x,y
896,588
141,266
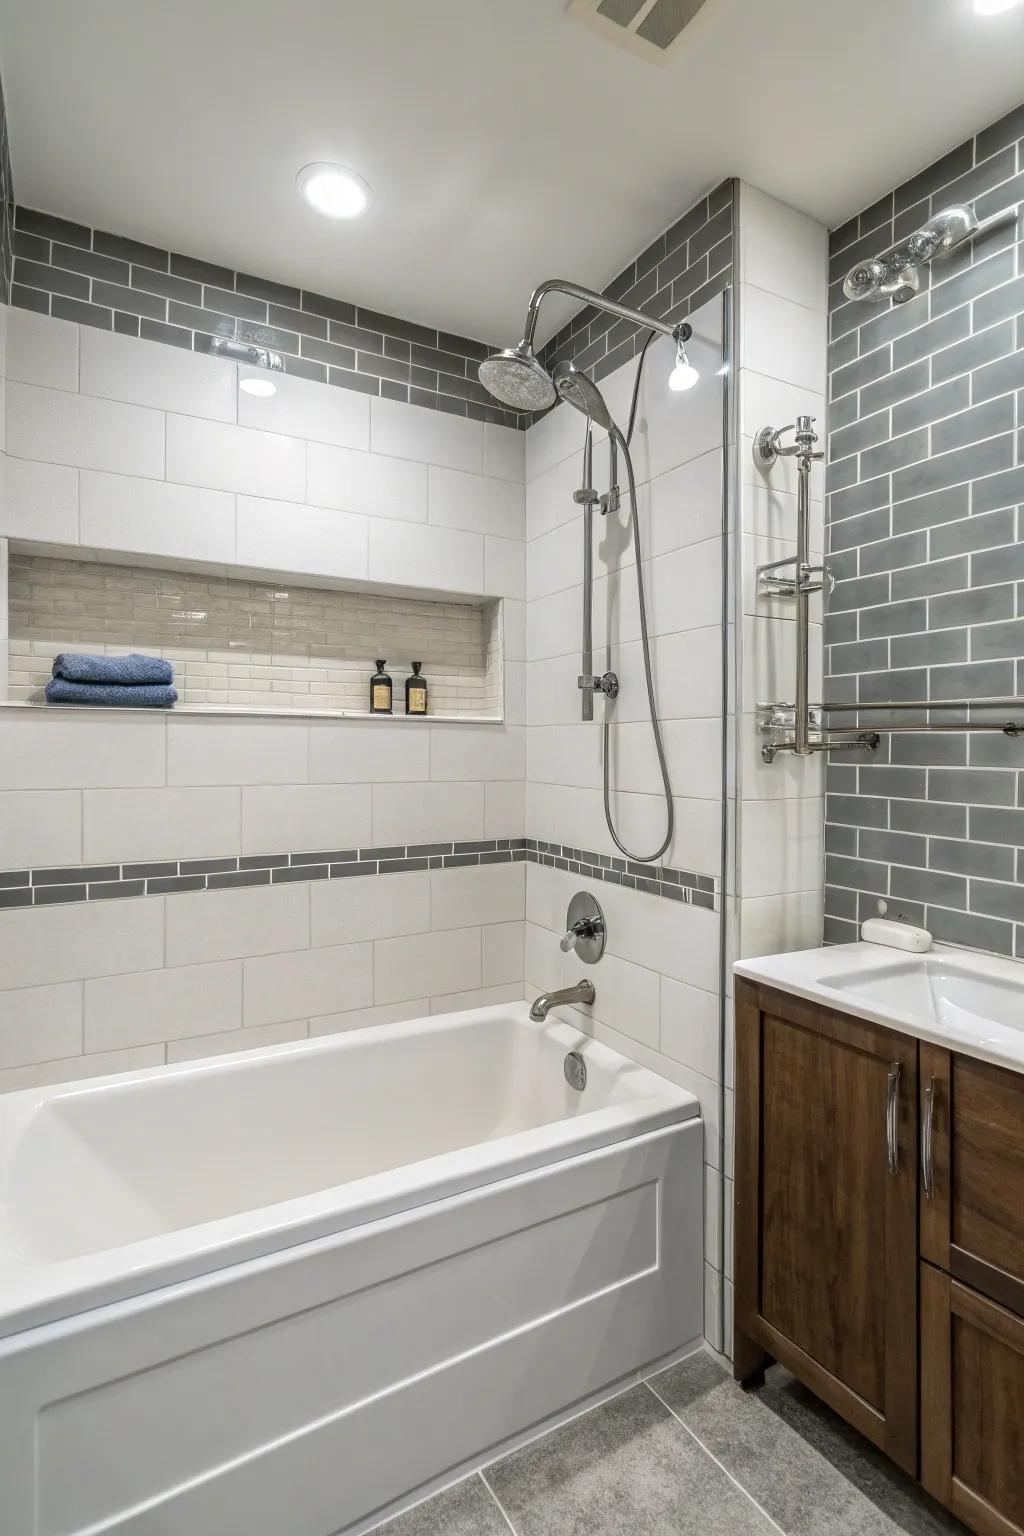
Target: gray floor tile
x,y
813,1474
465,1510
626,1467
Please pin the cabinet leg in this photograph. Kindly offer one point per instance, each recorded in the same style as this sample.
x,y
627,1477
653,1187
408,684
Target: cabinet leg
x,y
748,1361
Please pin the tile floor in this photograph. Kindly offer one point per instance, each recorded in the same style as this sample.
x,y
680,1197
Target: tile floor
x,y
689,1452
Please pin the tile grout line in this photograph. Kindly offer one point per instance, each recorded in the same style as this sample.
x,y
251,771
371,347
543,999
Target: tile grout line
x,y
501,1508
712,1457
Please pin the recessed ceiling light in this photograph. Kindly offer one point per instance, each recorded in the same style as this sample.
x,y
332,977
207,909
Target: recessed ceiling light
x,y
257,386
333,190
994,7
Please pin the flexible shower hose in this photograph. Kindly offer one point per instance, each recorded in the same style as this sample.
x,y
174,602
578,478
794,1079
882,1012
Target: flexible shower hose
x,y
623,443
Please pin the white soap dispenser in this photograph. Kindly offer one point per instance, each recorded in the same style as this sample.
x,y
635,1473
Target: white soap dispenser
x,y
895,935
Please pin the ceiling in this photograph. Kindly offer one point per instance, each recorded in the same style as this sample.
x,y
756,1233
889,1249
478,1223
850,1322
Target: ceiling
x,y
505,142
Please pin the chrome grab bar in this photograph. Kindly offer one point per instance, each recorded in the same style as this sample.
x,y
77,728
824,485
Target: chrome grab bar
x,y
928,1140
892,1118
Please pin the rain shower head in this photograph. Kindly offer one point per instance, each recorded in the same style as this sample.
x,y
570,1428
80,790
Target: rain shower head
x,y
516,378
579,390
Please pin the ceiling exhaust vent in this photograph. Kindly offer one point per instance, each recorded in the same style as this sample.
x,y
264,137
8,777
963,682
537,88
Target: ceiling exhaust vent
x,y
654,29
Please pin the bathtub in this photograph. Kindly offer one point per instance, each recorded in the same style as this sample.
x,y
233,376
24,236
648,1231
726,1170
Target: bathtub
x,y
285,1293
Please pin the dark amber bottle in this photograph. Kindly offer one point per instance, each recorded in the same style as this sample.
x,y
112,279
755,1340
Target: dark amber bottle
x,y
381,692
416,691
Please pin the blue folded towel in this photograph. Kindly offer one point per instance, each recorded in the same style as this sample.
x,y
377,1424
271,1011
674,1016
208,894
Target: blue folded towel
x,y
136,695
112,669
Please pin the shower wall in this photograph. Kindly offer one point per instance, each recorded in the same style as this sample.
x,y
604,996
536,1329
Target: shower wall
x,y
926,479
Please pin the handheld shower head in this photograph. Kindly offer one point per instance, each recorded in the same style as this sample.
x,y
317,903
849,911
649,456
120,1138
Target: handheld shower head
x,y
516,378
579,390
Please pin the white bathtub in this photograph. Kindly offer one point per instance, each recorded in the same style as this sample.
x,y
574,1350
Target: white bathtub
x,y
280,1293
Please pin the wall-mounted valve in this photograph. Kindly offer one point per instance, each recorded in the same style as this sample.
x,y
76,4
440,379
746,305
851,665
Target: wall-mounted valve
x,y
585,931
607,683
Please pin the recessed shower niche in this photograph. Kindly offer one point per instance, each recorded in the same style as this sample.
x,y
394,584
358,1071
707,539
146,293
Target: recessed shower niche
x,y
248,643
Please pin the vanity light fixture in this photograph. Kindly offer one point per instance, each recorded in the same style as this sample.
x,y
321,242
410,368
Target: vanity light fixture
x,y
333,190
684,375
261,387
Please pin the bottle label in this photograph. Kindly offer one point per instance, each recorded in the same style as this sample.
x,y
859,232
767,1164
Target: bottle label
x,y
381,696
417,702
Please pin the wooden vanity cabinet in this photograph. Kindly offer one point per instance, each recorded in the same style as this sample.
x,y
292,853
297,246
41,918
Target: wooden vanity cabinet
x,y
880,1241
826,1209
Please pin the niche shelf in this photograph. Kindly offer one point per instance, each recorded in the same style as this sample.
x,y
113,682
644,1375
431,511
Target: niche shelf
x,y
253,643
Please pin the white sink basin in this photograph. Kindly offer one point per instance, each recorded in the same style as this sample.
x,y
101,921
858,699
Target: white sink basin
x,y
933,987
968,1002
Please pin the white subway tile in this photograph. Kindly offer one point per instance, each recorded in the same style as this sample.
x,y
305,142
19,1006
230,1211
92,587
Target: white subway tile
x,y
781,846
782,250
231,458
236,752
684,588
553,438
515,692
280,536
40,1024
357,907
554,624
369,483
305,408
41,350
477,752
681,507
366,1018
554,561
476,997
504,452
308,982
503,959
132,825
198,1047
783,339
432,437
413,555
87,433
122,1011
627,997
39,501
358,752
65,750
478,503
125,368
513,614
431,963
40,945
505,809
306,818
150,517
478,893
40,827
434,813
549,498
73,1068
504,568
689,1026
227,925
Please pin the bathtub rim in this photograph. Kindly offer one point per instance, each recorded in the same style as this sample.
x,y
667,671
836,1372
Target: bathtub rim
x,y
33,1294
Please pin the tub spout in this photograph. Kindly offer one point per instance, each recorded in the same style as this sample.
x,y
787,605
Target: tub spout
x,y
582,992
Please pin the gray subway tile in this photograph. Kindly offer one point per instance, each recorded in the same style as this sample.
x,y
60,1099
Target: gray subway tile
x,y
927,817
73,258
856,874
893,554
893,619
1006,131
328,352
930,649
863,434
935,177
36,299
857,810
926,339
226,302
969,858
973,352
62,308
864,371
196,319
999,304
972,533
893,848
929,886
52,895
973,787
76,873
859,593
972,680
991,749
997,825
47,227
130,300
902,783
865,497
977,605
840,839
997,489
997,378
892,387
860,656
966,928
995,640
932,405
895,455
201,271
928,750
236,877
53,279
979,278
116,890
973,426
130,250
168,284
950,469
931,508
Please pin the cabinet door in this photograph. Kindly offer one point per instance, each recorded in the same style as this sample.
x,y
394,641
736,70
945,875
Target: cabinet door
x,y
826,1208
972,1405
972,1165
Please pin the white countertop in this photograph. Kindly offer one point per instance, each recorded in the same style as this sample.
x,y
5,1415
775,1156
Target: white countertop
x,y
966,1002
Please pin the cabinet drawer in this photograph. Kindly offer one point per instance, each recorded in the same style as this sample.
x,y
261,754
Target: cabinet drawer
x,y
972,1128
972,1405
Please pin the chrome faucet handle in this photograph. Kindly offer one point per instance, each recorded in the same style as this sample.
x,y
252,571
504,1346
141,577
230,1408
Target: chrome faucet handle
x,y
582,928
568,940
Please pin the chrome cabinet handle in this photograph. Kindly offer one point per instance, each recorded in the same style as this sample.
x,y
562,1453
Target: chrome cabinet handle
x,y
892,1117
928,1140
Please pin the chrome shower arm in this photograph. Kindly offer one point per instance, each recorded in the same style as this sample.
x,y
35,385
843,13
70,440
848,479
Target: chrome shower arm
x,y
681,332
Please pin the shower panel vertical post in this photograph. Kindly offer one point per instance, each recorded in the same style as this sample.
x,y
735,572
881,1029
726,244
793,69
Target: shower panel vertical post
x,y
587,649
803,629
